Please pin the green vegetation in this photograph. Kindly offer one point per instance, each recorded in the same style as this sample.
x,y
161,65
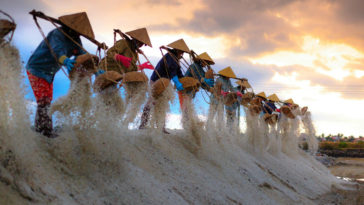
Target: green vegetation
x,y
328,145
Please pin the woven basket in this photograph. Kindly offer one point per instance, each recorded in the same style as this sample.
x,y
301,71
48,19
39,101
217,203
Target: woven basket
x,y
266,117
190,83
159,86
106,79
84,66
273,119
294,106
246,98
134,76
287,111
256,101
304,110
6,27
209,74
255,109
230,99
216,90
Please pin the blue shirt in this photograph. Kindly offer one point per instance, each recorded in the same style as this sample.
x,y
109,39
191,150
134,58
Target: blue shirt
x,y
269,107
43,64
196,71
226,87
166,71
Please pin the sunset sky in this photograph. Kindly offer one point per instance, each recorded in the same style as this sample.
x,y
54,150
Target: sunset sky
x,y
308,50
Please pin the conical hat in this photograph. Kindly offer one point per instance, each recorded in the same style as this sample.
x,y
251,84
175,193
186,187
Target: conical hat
x,y
243,83
179,45
273,98
204,56
262,94
79,22
141,35
290,101
227,72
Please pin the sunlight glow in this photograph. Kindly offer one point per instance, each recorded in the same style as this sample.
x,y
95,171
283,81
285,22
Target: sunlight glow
x,y
323,105
331,59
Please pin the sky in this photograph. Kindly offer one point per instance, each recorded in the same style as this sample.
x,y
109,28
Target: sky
x,y
309,50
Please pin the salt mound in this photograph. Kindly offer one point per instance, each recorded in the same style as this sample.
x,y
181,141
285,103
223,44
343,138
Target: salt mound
x,y
114,165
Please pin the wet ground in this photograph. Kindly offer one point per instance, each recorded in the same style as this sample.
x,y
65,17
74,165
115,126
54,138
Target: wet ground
x,y
351,169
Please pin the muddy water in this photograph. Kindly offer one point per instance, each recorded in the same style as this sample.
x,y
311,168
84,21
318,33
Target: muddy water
x,y
348,167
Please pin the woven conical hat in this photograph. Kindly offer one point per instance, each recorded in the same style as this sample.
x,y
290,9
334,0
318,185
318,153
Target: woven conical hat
x,y
290,101
262,94
243,83
179,45
141,35
79,22
204,56
227,72
273,98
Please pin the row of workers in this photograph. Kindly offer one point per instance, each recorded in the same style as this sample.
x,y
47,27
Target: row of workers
x,y
62,43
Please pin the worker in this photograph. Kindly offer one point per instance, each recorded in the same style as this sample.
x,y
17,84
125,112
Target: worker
x,y
47,60
167,67
123,56
288,102
269,105
196,71
223,79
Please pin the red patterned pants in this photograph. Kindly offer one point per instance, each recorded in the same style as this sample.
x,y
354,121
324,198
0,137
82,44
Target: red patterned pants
x,y
42,90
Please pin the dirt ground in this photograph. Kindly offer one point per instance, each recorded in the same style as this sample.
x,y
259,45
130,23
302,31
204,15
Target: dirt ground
x,y
352,168
348,167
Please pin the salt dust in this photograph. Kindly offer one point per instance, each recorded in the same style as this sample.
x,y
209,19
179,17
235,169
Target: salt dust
x,y
103,162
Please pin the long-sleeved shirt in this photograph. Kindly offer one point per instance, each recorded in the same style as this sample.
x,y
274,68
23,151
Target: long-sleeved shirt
x,y
226,86
125,48
43,64
166,71
195,70
269,107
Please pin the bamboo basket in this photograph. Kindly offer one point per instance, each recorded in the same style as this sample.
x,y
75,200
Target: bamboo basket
x,y
159,86
134,77
266,117
190,84
246,98
256,101
6,27
255,109
216,90
230,99
287,111
271,119
84,66
106,80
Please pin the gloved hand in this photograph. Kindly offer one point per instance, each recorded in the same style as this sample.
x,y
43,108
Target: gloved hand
x,y
123,59
209,81
178,84
99,72
224,93
146,65
278,110
69,64
238,93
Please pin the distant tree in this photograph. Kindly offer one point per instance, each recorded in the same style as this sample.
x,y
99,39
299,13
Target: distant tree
x,y
351,139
